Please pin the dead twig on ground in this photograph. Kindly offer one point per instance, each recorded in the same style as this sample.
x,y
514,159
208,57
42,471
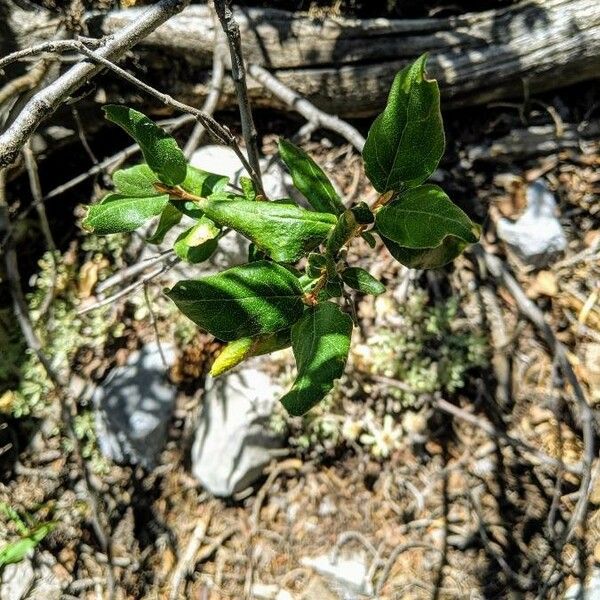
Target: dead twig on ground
x,y
391,561
290,463
187,561
130,288
530,310
60,382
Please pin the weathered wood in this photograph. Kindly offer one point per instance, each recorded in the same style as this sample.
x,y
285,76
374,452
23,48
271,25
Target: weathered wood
x,y
345,66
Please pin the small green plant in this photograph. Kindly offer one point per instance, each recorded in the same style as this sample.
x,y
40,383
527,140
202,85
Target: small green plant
x,y
297,262
29,535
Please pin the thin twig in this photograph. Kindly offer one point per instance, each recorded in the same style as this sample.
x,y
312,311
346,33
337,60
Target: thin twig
x,y
214,94
36,193
45,102
130,288
290,463
238,73
488,428
59,381
53,46
529,309
130,272
301,105
187,561
391,561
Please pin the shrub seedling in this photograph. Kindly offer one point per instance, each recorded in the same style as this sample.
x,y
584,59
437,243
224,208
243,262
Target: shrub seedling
x,y
270,303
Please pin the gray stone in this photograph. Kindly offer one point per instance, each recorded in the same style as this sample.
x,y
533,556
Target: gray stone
x,y
537,236
233,441
133,407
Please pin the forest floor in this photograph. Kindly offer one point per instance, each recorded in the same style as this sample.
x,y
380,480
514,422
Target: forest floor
x,y
465,505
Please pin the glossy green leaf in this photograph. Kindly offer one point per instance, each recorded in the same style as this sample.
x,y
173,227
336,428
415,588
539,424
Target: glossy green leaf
x,y
321,342
248,188
346,227
369,238
239,350
310,179
363,281
406,141
319,263
202,183
422,217
198,243
426,258
160,150
284,231
136,181
245,301
169,217
119,214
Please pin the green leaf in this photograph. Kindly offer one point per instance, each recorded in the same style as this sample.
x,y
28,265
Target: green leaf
x,y
284,231
369,238
202,183
169,217
346,227
310,179
363,281
406,141
136,181
317,263
248,188
239,350
16,551
422,217
426,258
160,150
198,243
119,214
320,341
245,301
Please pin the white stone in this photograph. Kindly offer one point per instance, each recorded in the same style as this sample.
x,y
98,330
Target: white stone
x,y
222,160
233,441
591,590
537,235
20,581
347,576
133,407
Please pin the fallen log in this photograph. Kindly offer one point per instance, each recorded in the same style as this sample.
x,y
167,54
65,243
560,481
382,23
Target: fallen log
x,y
345,66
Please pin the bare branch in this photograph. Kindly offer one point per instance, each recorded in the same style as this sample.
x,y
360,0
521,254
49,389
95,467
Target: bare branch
x,y
301,105
212,100
44,103
238,72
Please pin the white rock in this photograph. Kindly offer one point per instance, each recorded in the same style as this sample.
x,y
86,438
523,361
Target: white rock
x,y
133,406
20,581
223,161
591,590
233,441
348,576
537,235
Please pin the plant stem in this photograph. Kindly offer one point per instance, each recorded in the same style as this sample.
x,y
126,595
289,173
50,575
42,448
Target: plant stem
x,y
238,72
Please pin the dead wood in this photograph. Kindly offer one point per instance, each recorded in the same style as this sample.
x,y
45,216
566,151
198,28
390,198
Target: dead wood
x,y
345,66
